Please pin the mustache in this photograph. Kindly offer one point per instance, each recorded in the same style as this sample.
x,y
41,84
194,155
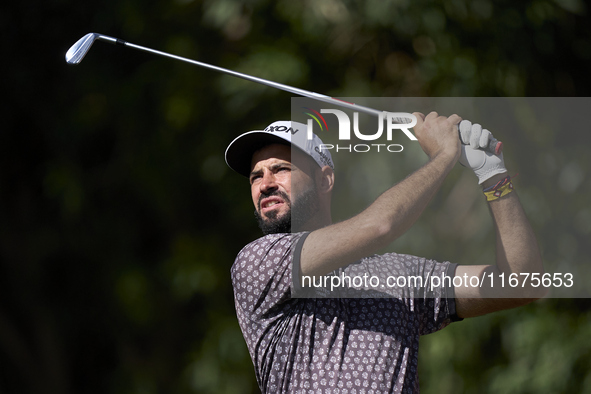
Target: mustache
x,y
277,193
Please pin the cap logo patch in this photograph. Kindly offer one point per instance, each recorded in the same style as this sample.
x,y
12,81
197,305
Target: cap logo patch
x,y
285,129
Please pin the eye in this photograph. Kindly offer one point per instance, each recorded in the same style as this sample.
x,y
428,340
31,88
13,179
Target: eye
x,y
254,178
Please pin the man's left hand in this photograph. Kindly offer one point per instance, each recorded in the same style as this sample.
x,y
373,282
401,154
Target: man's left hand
x,y
474,140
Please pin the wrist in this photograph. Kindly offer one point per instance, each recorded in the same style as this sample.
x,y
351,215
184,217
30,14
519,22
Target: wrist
x,y
447,157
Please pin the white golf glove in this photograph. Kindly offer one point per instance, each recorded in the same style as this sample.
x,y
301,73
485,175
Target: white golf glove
x,y
474,140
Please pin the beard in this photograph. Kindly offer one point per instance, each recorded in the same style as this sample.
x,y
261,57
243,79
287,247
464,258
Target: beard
x,y
298,214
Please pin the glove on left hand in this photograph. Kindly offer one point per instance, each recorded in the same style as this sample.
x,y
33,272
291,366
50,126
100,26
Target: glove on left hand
x,y
484,164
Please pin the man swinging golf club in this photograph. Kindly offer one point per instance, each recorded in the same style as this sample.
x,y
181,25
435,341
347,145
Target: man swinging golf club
x,y
368,341
355,345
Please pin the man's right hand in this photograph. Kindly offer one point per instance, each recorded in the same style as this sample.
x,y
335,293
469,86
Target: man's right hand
x,y
438,135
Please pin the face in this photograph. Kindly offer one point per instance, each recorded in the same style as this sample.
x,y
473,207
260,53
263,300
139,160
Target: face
x,y
273,175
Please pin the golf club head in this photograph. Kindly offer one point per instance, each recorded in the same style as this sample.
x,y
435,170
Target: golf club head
x,y
77,51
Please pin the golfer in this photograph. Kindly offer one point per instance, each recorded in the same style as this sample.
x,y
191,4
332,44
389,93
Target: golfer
x,y
367,342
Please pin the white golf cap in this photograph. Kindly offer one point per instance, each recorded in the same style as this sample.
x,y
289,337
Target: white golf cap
x,y
239,152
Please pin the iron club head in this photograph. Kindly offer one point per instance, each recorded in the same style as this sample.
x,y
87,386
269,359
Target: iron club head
x,y
77,51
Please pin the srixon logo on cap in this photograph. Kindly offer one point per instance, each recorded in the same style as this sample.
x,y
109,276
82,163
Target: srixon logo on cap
x,y
393,121
281,128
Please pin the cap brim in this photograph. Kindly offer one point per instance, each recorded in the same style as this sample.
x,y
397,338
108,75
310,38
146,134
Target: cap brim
x,y
239,152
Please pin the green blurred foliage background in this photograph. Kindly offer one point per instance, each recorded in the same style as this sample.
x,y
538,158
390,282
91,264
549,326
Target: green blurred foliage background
x,y
120,221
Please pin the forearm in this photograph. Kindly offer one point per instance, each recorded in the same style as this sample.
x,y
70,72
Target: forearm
x,y
517,253
517,250
390,216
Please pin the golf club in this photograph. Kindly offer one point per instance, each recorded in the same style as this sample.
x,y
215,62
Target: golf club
x,y
76,53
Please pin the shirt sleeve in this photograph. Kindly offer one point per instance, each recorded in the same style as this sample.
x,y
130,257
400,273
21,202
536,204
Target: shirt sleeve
x,y
426,286
262,274
437,306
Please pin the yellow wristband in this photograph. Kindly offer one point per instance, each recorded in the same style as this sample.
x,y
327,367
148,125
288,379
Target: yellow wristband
x,y
500,192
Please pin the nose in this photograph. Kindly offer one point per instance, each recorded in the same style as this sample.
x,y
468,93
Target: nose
x,y
268,182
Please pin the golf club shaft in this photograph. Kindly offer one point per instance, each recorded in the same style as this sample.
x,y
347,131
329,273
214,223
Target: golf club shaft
x,y
77,52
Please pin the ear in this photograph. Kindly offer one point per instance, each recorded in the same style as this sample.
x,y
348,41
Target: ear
x,y
325,179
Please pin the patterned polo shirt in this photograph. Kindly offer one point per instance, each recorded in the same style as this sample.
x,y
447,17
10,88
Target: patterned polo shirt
x,y
367,342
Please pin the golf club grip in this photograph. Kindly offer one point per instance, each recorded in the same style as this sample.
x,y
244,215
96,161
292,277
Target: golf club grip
x,y
494,146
